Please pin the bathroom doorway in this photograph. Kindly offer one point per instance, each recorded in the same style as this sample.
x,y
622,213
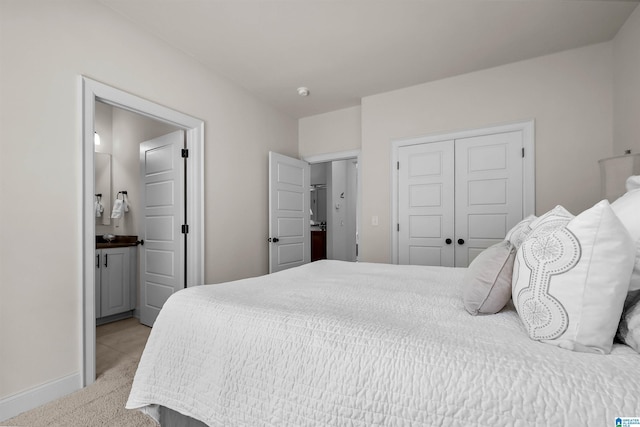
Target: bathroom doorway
x,y
335,206
93,94
119,134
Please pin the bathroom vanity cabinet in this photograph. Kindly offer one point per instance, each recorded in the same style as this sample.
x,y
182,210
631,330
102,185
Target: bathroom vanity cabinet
x,y
115,283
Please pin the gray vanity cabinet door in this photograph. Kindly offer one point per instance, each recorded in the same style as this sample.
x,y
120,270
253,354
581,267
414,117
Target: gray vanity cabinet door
x,y
115,292
97,288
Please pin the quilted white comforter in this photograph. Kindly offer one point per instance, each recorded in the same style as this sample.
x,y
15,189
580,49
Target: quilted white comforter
x,y
357,344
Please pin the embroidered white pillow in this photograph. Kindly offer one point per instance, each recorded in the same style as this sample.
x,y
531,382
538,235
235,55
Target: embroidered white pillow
x,y
572,278
487,282
520,231
627,208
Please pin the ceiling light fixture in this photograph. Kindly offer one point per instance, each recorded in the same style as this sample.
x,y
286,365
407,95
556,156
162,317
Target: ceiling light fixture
x,y
303,91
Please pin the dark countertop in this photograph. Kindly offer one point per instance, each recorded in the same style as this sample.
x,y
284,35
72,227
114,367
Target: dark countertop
x,y
118,242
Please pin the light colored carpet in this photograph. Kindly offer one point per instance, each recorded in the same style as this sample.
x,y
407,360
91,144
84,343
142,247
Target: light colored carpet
x,y
102,403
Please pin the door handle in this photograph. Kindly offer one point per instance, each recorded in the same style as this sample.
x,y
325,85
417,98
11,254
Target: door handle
x,y
97,260
461,241
106,257
276,240
448,241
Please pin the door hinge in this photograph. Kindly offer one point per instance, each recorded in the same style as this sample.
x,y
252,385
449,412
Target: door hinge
x,y
398,165
398,227
185,228
185,153
522,151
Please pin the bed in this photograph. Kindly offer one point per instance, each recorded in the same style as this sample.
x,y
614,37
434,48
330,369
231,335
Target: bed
x,y
333,343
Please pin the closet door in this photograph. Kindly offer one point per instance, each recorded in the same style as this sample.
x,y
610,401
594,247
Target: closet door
x,y
488,201
458,197
426,204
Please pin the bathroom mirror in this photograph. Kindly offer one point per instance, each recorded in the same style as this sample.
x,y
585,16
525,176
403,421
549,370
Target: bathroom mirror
x,y
318,204
102,193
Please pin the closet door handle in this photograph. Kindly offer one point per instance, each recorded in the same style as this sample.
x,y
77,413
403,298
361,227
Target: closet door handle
x,y
461,241
106,257
448,241
97,260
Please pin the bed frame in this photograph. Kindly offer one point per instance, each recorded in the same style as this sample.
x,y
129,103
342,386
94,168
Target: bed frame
x,y
171,418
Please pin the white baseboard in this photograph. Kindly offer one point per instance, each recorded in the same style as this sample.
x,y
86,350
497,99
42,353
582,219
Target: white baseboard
x,y
26,400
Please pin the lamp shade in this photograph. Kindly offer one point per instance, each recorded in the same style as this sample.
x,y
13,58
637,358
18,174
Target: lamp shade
x,y
614,172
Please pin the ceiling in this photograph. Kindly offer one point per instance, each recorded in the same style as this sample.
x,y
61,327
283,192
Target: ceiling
x,y
344,50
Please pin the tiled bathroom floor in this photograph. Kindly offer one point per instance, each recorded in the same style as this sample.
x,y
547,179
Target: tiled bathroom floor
x,y
117,341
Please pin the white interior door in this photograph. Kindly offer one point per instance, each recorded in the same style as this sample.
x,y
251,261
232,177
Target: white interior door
x,y
162,257
458,197
488,191
289,212
425,204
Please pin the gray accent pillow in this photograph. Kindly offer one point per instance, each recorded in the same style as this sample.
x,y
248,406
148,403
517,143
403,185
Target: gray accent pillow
x,y
629,327
487,282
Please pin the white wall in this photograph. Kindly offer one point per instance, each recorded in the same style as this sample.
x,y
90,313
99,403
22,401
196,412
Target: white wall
x,y
569,95
129,130
104,127
121,133
330,132
341,210
44,48
103,165
626,105
337,211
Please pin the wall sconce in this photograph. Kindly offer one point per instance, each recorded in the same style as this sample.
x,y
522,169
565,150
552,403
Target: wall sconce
x,y
96,138
614,172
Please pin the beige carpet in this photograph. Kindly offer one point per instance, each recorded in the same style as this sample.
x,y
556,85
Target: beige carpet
x,y
119,346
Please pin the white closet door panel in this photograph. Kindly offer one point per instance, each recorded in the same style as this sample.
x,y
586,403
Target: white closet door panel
x,y
425,226
487,226
488,199
422,255
425,204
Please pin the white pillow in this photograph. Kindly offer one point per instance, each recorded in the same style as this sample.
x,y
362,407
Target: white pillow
x,y
520,231
487,282
627,208
633,182
571,277
629,328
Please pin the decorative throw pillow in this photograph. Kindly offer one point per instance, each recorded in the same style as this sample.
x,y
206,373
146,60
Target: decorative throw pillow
x,y
627,208
487,282
520,231
633,182
572,278
629,329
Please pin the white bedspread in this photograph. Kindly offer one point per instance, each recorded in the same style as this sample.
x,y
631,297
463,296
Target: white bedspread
x,y
357,344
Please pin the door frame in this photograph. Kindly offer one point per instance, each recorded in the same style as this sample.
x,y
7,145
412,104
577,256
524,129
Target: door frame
x,y
92,91
344,155
527,128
